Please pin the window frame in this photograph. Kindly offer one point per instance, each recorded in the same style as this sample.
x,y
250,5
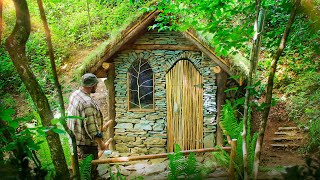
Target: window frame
x,y
129,94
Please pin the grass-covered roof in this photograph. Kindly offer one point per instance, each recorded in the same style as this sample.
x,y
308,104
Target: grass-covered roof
x,y
233,64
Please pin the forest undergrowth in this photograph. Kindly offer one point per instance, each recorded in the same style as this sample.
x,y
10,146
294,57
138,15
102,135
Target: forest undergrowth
x,y
297,81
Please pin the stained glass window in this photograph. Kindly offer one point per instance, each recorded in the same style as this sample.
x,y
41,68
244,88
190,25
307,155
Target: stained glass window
x,y
140,83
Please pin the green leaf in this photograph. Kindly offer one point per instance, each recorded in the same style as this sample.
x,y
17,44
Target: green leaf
x,y
231,89
41,132
13,124
58,131
55,121
234,77
6,114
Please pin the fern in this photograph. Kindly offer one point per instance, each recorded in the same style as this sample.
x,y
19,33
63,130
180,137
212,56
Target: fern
x,y
229,122
117,175
184,168
85,168
230,125
175,163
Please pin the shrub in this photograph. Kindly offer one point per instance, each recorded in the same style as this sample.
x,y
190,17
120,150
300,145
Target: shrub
x,y
184,168
233,128
304,104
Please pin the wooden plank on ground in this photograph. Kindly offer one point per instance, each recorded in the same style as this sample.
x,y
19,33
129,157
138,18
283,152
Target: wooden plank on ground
x,y
287,128
289,138
285,133
285,145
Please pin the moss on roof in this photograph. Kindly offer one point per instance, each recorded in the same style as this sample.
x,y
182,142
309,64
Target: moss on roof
x,y
235,60
99,52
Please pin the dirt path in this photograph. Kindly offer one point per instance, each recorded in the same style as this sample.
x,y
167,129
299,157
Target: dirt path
x,y
275,157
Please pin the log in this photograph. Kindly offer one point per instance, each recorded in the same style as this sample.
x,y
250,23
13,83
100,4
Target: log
x,y
216,69
106,66
221,98
109,82
111,49
286,133
285,145
287,128
155,156
207,51
162,47
290,138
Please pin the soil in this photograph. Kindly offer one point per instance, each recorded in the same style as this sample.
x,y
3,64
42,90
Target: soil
x,y
275,157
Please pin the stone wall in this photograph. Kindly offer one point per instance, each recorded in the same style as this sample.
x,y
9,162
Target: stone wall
x,y
145,132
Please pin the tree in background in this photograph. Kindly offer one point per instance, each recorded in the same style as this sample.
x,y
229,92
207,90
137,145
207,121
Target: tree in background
x,y
256,42
268,100
16,46
75,167
1,2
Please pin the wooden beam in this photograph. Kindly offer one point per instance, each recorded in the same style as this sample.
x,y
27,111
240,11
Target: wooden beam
x,y
216,69
155,156
106,66
162,47
112,48
207,52
100,73
109,82
221,98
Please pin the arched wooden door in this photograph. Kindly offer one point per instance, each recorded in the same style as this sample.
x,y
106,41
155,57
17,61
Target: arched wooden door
x,y
184,106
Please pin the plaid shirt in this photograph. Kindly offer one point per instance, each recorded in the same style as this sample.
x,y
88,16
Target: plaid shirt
x,y
85,130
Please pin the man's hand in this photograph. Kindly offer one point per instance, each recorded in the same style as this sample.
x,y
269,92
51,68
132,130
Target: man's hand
x,y
103,147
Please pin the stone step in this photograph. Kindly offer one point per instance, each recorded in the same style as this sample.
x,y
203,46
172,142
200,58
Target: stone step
x,y
287,128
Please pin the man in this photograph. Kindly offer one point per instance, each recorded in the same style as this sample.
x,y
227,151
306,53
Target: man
x,y
87,130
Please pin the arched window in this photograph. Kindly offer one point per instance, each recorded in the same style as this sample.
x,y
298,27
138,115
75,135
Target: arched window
x,y
140,86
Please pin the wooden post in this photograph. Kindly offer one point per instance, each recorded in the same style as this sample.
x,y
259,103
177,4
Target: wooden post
x,y
232,159
109,82
221,97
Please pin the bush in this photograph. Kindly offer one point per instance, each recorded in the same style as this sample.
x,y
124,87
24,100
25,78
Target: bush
x,y
9,79
304,104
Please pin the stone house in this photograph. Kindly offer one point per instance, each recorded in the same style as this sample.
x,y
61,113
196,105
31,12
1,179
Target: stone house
x,y
164,88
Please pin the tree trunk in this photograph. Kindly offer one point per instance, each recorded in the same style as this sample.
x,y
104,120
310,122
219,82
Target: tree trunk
x,y
16,45
258,27
75,167
270,87
1,3
89,21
